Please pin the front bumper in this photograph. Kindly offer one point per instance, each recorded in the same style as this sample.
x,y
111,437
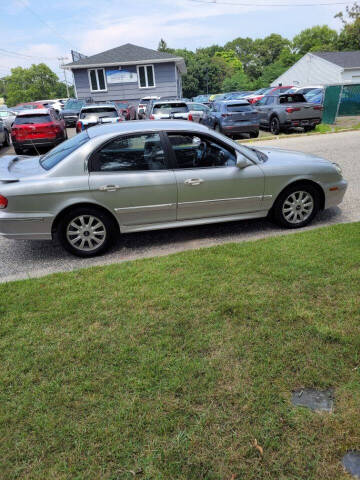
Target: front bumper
x,y
70,121
334,193
22,226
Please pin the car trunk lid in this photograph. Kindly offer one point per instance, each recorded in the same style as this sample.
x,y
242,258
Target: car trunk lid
x,y
303,111
15,167
238,113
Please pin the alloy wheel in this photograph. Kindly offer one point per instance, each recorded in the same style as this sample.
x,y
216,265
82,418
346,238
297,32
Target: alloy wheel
x,y
275,126
298,207
86,233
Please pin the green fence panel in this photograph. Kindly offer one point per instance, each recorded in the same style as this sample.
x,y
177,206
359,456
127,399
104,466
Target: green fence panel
x,y
350,100
331,101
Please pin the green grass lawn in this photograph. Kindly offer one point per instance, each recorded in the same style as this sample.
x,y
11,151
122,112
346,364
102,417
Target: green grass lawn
x,y
171,367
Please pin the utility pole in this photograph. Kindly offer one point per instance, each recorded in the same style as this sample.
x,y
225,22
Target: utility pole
x,y
61,65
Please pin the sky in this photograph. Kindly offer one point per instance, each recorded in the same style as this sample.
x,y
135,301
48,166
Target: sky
x,y
43,30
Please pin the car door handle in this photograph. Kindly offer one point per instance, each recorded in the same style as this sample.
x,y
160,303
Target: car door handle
x,y
194,181
109,188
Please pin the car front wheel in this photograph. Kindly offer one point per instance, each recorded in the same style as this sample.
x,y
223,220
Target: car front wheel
x,y
86,232
296,206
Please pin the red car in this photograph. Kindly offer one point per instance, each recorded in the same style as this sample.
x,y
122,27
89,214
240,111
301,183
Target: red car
x,y
270,91
37,128
127,110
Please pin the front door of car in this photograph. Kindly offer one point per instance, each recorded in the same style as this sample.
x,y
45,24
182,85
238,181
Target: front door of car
x,y
264,107
209,182
129,175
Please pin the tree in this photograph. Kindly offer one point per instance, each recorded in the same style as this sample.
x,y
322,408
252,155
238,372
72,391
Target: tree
x,y
349,38
162,46
37,82
318,38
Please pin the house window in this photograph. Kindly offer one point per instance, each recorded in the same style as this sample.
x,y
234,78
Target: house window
x,y
146,76
97,80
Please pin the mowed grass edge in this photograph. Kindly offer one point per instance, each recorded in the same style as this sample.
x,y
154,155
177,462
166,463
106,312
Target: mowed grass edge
x,y
171,367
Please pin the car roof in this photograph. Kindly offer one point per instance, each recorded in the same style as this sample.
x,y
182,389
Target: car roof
x,y
34,111
147,125
160,102
98,105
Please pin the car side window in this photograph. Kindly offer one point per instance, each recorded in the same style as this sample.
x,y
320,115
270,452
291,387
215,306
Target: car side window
x,y
197,151
130,153
262,101
270,101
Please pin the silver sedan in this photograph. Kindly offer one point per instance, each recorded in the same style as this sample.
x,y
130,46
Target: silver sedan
x,y
145,175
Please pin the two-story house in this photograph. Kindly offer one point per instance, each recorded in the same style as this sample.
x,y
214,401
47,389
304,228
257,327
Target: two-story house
x,y
128,73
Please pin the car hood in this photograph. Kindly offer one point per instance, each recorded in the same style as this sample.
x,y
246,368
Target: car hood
x,y
290,157
15,167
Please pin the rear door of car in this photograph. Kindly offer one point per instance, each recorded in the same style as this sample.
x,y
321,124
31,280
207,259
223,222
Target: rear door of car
x,y
208,181
131,176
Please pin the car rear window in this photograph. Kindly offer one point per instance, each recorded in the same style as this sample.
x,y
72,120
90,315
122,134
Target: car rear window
x,y
73,105
32,119
293,98
99,112
122,105
170,108
57,154
239,108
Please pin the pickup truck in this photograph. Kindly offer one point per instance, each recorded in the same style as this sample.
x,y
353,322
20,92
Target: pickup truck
x,y
286,111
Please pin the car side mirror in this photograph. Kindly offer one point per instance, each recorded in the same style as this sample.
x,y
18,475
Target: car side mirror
x,y
241,161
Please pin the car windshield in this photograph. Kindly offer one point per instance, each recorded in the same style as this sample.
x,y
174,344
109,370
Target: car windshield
x,y
73,105
169,108
313,92
57,154
30,119
103,112
122,105
262,91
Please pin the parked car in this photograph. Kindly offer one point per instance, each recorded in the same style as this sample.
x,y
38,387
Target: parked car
x,y
71,110
201,99
238,95
304,90
197,111
33,129
26,106
128,111
143,104
315,96
55,103
255,96
4,134
270,91
7,117
93,114
289,110
140,176
233,118
159,110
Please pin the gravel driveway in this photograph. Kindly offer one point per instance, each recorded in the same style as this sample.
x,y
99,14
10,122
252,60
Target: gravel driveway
x,y
23,259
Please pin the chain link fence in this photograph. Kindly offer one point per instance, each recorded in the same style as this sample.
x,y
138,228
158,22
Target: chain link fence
x,y
341,100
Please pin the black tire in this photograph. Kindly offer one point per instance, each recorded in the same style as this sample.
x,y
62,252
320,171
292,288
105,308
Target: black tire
x,y
282,202
103,219
66,135
217,128
254,134
7,139
309,129
18,150
275,125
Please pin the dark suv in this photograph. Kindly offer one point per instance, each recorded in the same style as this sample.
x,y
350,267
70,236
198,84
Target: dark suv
x,y
233,118
71,111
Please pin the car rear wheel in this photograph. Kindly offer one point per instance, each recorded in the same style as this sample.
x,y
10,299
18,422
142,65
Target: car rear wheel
x,y
254,134
86,231
296,206
275,126
217,128
7,139
18,150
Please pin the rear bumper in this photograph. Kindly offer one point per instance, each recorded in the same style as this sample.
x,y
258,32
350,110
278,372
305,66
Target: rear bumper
x,y
38,142
70,121
305,122
244,128
24,226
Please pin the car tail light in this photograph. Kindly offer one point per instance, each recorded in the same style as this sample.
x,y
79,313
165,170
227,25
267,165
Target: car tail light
x,y
190,117
152,117
292,109
318,107
3,202
78,127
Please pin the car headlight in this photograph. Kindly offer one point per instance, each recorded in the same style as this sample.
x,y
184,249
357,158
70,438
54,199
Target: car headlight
x,y
338,168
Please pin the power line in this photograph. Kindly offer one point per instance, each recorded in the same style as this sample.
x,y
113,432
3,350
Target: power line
x,y
243,4
23,55
45,23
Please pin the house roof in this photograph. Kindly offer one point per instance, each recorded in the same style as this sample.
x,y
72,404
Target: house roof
x,y
127,54
342,59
